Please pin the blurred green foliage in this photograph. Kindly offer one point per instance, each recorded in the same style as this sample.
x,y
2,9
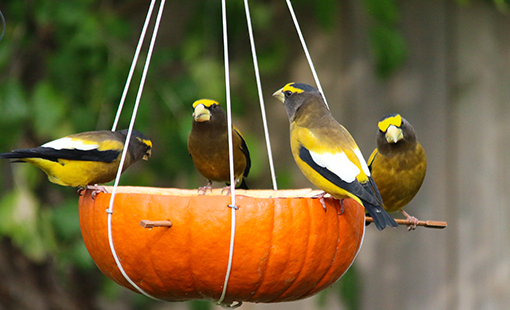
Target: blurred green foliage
x,y
347,289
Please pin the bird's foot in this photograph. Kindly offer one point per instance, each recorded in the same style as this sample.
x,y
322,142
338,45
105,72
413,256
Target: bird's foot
x,y
81,191
96,189
321,199
413,221
342,207
204,189
226,189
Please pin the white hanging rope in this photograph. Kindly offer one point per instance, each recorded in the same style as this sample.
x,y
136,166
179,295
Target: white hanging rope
x,y
133,65
305,49
261,97
232,206
124,152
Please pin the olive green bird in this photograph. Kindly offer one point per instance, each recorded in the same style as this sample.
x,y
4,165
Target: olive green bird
x,y
208,146
398,164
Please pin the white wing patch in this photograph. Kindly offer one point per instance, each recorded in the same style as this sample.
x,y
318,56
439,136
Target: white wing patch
x,y
337,163
362,162
67,143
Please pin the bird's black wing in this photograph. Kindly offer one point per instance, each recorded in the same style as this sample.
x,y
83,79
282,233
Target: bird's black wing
x,y
352,187
52,154
244,149
373,207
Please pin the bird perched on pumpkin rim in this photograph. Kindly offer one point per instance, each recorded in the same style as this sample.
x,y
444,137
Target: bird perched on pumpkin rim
x,y
208,146
398,164
326,153
85,159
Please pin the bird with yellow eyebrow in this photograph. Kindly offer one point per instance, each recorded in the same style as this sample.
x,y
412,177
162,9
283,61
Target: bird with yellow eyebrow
x,y
326,153
398,164
85,159
208,146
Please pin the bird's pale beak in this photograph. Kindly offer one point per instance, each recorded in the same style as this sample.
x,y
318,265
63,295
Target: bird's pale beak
x,y
201,114
147,154
394,134
279,95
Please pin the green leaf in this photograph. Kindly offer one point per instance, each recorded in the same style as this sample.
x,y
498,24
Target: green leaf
x,y
383,11
326,12
49,109
199,305
22,223
13,103
349,289
389,49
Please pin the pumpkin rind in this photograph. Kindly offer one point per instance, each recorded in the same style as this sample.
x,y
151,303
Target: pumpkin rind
x,y
285,248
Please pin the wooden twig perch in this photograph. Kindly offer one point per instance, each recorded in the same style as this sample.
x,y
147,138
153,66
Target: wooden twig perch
x,y
428,224
151,224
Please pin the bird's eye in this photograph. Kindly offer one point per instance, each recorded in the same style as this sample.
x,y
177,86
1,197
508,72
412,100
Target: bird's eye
x,y
287,93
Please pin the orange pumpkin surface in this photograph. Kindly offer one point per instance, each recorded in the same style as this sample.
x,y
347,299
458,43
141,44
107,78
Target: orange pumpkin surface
x,y
286,248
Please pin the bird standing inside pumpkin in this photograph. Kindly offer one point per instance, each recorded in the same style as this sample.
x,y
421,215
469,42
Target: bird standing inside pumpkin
x,y
85,159
398,164
326,153
208,146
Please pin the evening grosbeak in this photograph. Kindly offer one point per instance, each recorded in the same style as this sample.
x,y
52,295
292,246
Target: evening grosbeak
x,y
398,164
326,153
208,145
85,159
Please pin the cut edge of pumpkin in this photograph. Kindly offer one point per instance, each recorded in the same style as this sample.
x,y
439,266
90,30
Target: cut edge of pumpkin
x,y
257,193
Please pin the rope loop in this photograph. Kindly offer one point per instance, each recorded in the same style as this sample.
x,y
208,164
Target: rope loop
x,y
233,305
233,207
128,136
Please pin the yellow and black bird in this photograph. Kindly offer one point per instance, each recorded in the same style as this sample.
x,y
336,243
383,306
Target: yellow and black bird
x,y
85,159
398,164
326,153
208,145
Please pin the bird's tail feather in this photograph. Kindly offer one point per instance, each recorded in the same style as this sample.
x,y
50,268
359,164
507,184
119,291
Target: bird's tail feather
x,y
243,185
381,218
10,155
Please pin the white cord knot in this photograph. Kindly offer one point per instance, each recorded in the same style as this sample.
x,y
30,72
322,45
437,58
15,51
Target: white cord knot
x,y
232,305
233,207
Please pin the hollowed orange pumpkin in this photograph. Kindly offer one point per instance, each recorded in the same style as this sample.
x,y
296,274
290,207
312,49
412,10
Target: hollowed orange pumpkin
x,y
286,246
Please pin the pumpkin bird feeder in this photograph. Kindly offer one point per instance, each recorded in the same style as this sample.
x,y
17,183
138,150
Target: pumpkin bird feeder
x,y
285,248
251,245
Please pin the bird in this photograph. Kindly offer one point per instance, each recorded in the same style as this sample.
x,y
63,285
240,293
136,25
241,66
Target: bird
x,y
398,164
327,154
208,146
85,159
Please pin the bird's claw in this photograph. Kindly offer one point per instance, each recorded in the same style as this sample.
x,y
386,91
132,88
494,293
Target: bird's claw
x,y
204,189
342,207
226,189
321,199
413,221
81,191
96,189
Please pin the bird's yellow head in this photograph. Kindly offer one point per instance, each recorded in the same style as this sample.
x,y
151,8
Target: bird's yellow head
x,y
140,146
294,95
390,125
287,91
148,145
202,109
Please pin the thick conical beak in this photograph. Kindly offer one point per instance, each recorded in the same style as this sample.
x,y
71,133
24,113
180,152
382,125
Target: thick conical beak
x,y
279,95
201,114
394,134
147,154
